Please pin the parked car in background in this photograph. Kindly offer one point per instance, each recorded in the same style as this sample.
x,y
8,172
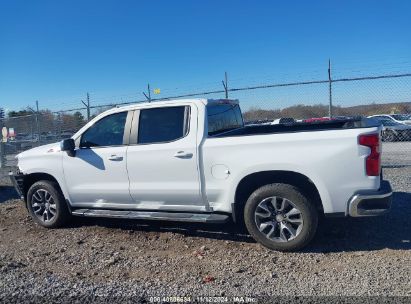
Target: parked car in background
x,y
48,137
317,119
392,129
341,117
283,120
20,136
10,148
66,134
400,118
258,122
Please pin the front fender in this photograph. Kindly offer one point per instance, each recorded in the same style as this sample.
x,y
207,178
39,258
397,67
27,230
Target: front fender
x,y
50,164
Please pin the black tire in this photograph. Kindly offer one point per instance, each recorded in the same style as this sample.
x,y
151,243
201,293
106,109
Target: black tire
x,y
388,136
298,200
37,208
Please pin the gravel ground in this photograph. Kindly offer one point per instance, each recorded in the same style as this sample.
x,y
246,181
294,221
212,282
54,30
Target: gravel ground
x,y
130,261
396,153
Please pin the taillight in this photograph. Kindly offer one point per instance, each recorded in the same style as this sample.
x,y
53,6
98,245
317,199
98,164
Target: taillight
x,y
373,160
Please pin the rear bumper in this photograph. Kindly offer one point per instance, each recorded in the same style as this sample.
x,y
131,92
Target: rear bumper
x,y
372,202
18,183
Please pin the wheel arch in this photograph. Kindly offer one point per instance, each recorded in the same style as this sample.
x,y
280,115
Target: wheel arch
x,y
30,179
249,183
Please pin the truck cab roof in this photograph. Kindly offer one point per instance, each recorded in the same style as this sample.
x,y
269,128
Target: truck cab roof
x,y
204,101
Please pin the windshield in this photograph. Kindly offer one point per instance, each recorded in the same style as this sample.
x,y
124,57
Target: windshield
x,y
402,117
223,117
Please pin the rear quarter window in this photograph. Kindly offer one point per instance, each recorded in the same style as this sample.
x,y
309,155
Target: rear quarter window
x,y
223,117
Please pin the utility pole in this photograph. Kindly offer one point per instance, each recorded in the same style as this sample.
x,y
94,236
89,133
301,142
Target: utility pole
x,y
149,93
38,120
2,152
59,120
330,106
87,105
225,85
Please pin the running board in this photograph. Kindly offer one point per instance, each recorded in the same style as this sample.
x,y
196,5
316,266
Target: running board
x,y
154,215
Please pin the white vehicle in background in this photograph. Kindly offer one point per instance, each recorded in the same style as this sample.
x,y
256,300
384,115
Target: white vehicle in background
x,y
399,118
195,161
402,118
284,120
392,129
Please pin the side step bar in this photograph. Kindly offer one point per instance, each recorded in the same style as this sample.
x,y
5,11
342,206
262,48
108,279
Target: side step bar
x,y
154,215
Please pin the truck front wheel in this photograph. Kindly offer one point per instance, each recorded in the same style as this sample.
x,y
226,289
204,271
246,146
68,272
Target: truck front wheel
x,y
46,204
280,217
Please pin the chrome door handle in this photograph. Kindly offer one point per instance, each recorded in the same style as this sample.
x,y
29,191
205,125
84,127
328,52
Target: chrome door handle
x,y
182,154
115,158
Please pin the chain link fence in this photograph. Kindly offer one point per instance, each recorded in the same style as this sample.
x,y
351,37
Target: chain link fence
x,y
387,96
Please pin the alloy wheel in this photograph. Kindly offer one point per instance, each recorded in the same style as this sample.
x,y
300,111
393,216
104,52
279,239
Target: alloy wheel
x,y
278,219
43,205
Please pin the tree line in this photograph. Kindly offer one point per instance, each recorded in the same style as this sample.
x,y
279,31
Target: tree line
x,y
320,110
44,122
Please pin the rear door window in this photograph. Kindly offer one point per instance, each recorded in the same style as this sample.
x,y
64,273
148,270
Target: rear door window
x,y
163,124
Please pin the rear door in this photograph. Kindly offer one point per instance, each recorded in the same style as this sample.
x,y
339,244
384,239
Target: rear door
x,y
162,160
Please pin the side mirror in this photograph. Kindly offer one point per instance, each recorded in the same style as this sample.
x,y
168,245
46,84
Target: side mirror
x,y
69,146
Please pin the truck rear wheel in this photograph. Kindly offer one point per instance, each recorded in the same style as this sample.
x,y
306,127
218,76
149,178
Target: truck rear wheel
x,y
280,217
46,204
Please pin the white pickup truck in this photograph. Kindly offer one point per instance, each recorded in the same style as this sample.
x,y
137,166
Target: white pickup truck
x,y
194,160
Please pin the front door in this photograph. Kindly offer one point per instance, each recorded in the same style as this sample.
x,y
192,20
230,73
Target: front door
x,y
97,175
162,163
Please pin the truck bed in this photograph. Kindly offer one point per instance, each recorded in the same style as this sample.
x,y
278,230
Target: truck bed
x,y
300,127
